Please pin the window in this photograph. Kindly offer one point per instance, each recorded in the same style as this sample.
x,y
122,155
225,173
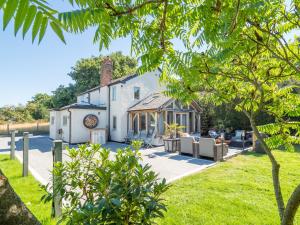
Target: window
x,y
143,121
114,93
135,123
65,120
184,122
136,93
52,120
170,117
178,119
151,123
114,122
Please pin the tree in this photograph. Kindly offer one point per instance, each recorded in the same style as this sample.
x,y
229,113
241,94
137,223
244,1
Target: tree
x,y
102,190
63,96
15,114
85,73
255,83
217,27
235,50
13,210
39,105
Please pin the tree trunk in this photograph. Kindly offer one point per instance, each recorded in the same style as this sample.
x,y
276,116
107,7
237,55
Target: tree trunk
x,y
275,170
292,207
12,210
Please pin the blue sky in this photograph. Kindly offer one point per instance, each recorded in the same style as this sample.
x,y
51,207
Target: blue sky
x,y
27,69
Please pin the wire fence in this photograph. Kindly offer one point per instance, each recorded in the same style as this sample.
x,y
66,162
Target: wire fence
x,y
37,127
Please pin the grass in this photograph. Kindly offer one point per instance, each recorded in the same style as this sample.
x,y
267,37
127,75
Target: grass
x,y
27,188
238,191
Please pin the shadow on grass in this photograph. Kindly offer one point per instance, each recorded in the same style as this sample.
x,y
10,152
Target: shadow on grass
x,y
252,153
5,159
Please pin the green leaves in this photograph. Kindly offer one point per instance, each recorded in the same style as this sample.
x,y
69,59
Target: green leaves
x,y
108,189
43,28
58,31
31,14
37,24
29,19
9,11
21,14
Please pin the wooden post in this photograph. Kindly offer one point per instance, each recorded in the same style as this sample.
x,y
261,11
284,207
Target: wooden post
x,y
7,128
25,153
37,126
57,200
12,145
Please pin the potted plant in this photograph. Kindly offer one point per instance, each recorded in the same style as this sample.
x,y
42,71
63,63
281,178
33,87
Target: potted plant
x,y
171,138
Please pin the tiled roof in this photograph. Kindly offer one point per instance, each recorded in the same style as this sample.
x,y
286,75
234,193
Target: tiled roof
x,y
115,81
81,106
153,101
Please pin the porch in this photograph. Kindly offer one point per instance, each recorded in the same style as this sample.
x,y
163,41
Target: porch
x,y
151,115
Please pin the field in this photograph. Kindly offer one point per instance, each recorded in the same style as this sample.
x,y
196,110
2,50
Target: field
x,y
36,127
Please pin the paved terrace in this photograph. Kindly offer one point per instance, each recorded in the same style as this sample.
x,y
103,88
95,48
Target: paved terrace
x,y
171,166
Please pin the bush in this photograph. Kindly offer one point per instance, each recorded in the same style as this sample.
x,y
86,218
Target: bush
x,y
99,189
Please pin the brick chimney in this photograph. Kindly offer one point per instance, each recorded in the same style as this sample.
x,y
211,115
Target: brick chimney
x,y
106,71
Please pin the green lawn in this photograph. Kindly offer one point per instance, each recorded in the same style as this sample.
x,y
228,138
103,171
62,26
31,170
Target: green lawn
x,y
27,188
238,191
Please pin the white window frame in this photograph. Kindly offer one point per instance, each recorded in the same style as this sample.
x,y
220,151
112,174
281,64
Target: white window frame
x,y
65,120
52,120
139,92
114,93
114,121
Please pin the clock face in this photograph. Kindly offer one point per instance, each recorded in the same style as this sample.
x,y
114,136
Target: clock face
x,y
90,121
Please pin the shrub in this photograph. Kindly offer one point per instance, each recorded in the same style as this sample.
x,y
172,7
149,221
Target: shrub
x,y
101,189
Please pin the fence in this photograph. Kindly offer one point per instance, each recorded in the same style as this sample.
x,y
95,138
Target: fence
x,y
37,127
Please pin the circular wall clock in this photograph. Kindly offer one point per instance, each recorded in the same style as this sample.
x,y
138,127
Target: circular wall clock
x,y
90,121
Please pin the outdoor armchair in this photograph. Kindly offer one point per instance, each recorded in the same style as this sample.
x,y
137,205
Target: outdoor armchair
x,y
209,148
187,145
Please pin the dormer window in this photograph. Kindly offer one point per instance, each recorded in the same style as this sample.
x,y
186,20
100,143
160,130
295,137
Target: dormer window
x,y
114,93
136,93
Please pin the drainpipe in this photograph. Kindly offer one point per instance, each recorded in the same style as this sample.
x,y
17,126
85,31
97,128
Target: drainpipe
x,y
127,122
70,126
108,113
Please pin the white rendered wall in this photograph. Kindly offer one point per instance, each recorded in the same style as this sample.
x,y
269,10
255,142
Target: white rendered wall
x,y
95,97
53,130
65,128
148,83
81,134
84,98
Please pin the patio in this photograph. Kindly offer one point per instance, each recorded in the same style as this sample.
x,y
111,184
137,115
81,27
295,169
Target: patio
x,y
170,166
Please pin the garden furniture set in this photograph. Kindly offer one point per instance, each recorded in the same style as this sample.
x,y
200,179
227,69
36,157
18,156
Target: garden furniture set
x,y
205,147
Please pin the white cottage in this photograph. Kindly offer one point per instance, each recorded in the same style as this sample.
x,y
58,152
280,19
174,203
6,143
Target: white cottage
x,y
133,103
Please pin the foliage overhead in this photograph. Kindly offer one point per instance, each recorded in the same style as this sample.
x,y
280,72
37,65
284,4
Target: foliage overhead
x,y
34,14
106,191
236,51
85,73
